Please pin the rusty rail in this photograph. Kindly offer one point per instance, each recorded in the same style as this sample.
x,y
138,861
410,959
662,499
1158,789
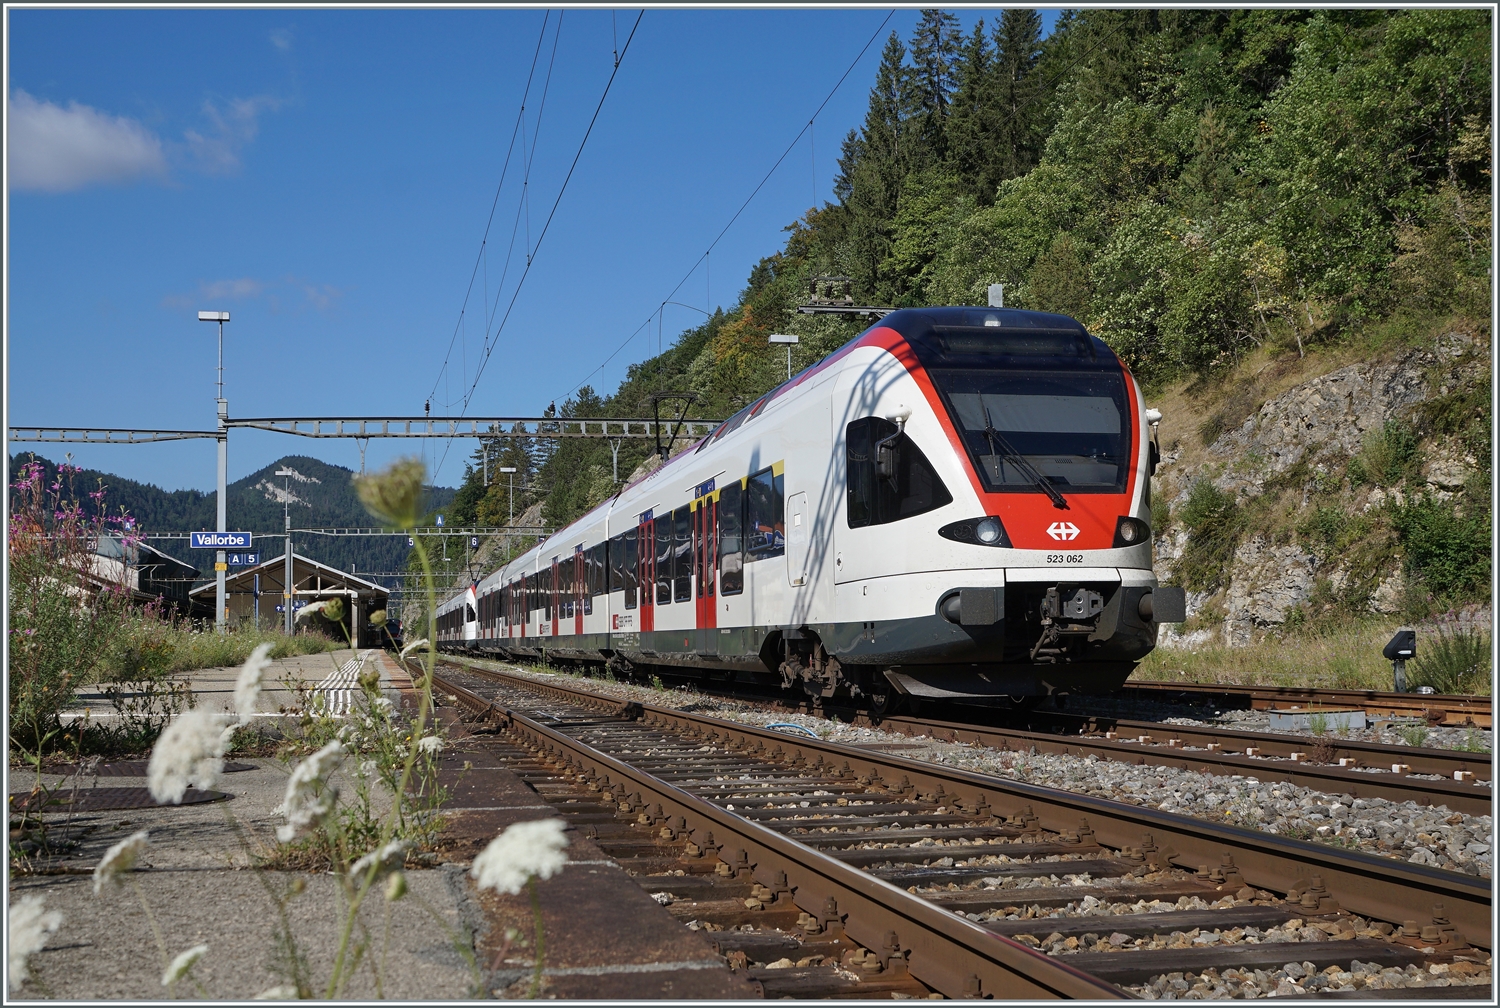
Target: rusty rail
x,y
1375,887
944,951
1454,709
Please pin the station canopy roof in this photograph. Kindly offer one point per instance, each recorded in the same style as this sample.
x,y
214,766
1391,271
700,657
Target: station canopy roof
x,y
310,580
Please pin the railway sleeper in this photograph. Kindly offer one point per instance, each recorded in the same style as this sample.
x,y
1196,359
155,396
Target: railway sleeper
x,y
714,889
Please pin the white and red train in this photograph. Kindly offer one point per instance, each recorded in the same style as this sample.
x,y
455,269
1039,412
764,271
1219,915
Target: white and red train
x,y
955,504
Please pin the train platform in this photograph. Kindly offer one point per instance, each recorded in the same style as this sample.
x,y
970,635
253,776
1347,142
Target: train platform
x,y
605,937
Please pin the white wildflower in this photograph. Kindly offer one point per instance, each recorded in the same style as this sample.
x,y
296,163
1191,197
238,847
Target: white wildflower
x,y
118,860
523,851
28,931
387,858
190,751
312,608
414,646
431,745
382,705
247,688
182,964
309,796
368,767
282,993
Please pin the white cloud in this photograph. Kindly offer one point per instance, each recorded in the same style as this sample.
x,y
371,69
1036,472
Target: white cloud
x,y
236,289
56,149
216,290
234,127
320,297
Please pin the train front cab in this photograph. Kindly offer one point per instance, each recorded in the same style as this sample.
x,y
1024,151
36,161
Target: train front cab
x,y
1038,445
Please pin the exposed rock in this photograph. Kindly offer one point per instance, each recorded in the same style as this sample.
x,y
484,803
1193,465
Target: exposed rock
x,y
1269,581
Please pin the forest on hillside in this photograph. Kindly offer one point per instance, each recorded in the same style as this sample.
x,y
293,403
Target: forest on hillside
x,y
1193,185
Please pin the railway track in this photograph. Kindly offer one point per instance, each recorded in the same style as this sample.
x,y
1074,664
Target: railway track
x,y
909,876
1437,708
1457,779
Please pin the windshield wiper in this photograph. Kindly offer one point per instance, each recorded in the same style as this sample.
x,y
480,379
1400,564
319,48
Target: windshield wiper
x,y
1000,446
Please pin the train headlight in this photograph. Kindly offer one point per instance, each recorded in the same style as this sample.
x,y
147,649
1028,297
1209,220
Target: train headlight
x,y
1131,532
986,530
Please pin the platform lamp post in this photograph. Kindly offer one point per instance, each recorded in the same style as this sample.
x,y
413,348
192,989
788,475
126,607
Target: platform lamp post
x,y
790,341
286,572
221,600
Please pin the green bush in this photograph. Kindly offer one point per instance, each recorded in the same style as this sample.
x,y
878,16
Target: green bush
x,y
1447,550
1457,662
1215,523
1389,454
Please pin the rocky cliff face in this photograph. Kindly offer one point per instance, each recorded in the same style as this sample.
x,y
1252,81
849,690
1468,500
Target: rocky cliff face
x,y
1304,488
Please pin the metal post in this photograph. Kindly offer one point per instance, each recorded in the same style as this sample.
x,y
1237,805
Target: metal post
x,y
221,600
257,601
1399,668
286,580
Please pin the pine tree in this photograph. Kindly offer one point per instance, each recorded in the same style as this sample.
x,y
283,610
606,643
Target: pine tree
x,y
935,55
971,117
1019,138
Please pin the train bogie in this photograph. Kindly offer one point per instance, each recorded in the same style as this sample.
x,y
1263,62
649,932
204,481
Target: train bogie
x,y
955,504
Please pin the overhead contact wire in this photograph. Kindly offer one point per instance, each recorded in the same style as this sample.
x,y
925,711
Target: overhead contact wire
x,y
741,210
505,169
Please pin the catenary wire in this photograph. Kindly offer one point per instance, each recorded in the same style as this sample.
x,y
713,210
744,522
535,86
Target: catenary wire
x,y
479,257
541,236
741,210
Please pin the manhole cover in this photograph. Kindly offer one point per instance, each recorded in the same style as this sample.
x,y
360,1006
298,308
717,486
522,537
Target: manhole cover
x,y
109,799
131,768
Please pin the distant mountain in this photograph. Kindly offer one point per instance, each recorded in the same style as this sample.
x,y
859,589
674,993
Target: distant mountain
x,y
319,495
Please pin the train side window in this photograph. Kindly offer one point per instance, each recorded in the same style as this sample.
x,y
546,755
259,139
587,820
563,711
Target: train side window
x,y
682,554
765,523
629,568
731,555
663,526
904,486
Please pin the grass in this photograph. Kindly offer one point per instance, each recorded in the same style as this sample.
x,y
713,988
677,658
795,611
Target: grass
x,y
145,647
1341,657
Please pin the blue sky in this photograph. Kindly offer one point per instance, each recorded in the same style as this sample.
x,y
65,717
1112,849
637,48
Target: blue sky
x,y
326,176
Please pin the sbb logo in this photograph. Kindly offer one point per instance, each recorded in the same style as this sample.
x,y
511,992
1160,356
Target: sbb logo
x,y
1063,530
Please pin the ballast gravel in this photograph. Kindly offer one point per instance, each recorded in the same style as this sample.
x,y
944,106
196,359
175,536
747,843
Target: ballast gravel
x,y
1405,831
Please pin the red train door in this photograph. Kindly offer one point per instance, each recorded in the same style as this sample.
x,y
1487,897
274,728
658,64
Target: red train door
x,y
705,546
646,557
579,589
555,597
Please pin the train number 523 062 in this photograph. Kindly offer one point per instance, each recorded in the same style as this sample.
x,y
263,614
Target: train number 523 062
x,y
1065,558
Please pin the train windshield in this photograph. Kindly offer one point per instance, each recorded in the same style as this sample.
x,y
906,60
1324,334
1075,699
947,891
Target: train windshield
x,y
1071,428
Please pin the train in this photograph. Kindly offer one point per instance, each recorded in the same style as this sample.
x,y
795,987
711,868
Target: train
x,y
954,505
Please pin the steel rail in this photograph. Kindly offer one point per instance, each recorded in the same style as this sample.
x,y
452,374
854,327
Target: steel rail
x,y
1422,760
944,951
1454,706
1473,798
1375,887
